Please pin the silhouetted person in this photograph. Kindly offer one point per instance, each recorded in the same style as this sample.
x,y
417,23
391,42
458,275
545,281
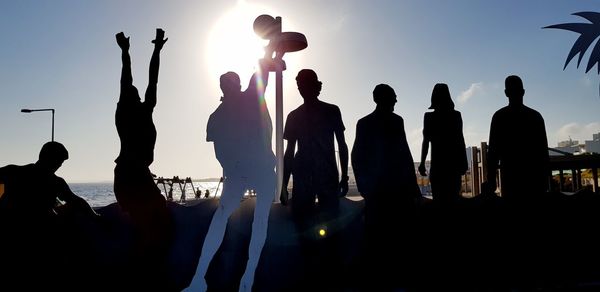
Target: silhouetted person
x,y
33,235
206,194
170,193
385,176
443,129
134,186
518,147
313,126
240,129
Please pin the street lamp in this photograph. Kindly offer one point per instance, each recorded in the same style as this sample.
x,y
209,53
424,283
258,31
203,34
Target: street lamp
x,y
25,110
269,28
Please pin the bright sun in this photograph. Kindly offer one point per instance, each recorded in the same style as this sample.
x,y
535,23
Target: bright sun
x,y
232,43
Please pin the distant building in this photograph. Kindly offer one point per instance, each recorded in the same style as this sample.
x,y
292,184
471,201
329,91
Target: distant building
x,y
568,143
570,146
593,146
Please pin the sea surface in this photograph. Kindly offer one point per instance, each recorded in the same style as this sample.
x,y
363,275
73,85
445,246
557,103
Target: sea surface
x,y
102,194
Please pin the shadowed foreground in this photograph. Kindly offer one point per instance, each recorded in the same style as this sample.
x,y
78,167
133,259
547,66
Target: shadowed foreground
x,y
483,244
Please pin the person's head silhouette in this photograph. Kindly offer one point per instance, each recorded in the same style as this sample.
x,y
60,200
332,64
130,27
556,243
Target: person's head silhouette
x,y
52,156
133,92
440,98
230,84
513,88
309,85
385,97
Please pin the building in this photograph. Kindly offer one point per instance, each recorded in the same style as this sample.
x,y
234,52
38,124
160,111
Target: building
x,y
570,146
593,146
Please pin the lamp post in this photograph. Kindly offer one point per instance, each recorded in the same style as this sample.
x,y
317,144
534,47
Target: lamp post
x,y
269,28
25,110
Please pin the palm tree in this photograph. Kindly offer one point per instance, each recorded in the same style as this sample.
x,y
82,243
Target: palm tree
x,y
588,33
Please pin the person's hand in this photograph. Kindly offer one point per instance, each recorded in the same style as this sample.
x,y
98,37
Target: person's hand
x,y
160,40
343,186
284,197
422,169
122,41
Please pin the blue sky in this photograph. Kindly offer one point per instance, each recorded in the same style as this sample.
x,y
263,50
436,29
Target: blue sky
x,y
62,55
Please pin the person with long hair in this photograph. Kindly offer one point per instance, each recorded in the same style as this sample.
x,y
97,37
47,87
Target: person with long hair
x,y
443,129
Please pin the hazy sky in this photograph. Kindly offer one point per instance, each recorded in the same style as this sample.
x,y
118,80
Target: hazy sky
x,y
63,55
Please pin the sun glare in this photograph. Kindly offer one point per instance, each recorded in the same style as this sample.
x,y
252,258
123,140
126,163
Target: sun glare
x,y
232,43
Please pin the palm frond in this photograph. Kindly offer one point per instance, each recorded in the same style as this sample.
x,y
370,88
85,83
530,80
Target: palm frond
x,y
588,33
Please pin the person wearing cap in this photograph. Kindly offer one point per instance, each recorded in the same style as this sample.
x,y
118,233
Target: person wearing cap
x,y
385,176
443,129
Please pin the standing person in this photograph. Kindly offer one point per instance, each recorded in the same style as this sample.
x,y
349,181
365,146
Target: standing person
x,y
385,176
443,129
313,127
524,176
240,129
523,170
134,186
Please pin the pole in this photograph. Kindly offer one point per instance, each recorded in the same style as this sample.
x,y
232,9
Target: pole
x,y
268,27
27,111
279,128
52,125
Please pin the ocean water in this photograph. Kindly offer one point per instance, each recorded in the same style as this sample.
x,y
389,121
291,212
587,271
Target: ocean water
x,y
102,194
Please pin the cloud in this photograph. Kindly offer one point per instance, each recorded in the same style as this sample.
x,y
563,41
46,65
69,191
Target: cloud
x,y
467,94
579,132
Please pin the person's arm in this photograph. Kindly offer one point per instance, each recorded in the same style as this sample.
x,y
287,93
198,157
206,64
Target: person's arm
x,y
489,186
424,150
464,163
159,41
358,158
343,153
260,79
424,147
126,77
288,161
72,199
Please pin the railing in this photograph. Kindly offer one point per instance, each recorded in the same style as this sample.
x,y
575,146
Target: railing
x,y
575,164
578,167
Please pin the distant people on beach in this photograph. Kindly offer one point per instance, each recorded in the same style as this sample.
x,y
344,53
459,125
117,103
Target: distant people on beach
x,y
170,192
385,176
134,186
518,146
240,129
313,126
443,129
35,232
